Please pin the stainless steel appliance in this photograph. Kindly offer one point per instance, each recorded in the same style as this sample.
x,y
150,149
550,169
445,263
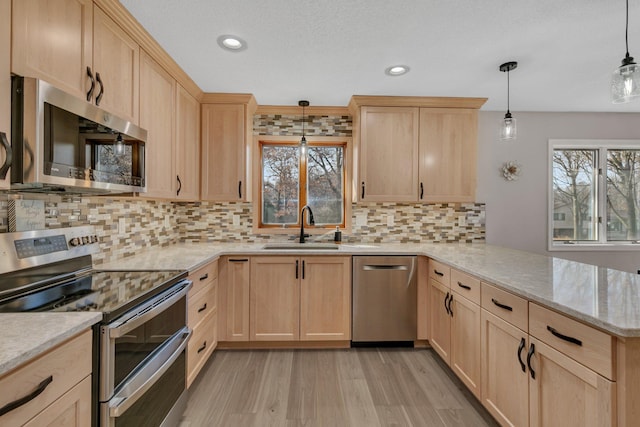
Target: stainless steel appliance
x,y
139,362
62,143
384,299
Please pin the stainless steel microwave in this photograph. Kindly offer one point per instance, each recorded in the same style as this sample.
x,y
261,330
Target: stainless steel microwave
x,y
64,144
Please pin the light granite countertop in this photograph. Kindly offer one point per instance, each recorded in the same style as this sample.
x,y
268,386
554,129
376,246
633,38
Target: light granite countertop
x,y
605,298
24,336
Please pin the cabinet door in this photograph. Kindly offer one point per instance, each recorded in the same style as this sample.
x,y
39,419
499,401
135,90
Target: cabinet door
x,y
566,393
505,386
388,154
234,294
72,409
116,58
5,84
465,342
187,144
439,319
223,152
275,299
422,312
52,40
325,299
157,91
448,140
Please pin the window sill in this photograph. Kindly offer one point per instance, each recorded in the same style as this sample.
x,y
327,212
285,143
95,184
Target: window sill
x,y
594,247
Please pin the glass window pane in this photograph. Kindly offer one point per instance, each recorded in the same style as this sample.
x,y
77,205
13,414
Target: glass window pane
x,y
623,194
325,184
280,184
574,194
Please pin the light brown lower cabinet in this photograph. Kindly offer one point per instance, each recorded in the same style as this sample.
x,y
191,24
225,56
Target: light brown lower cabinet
x,y
202,316
505,379
439,319
563,392
300,298
235,274
64,376
465,342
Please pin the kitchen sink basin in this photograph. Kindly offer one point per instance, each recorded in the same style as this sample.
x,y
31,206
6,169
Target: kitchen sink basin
x,y
301,246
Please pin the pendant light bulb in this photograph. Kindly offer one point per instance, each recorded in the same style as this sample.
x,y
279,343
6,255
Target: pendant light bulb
x,y
625,81
508,128
119,146
303,140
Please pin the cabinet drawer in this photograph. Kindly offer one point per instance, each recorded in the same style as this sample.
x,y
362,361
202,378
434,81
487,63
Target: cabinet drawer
x,y
201,345
465,285
586,345
202,303
505,305
67,365
204,275
440,272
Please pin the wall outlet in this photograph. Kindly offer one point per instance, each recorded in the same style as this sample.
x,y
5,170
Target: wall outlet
x,y
391,220
236,220
167,221
361,220
462,221
122,226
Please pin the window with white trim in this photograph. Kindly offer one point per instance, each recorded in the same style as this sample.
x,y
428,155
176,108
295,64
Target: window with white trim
x,y
594,192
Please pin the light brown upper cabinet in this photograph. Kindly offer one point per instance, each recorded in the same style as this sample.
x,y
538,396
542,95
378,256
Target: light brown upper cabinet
x,y
388,154
172,119
187,146
415,149
75,46
158,95
448,140
227,128
5,87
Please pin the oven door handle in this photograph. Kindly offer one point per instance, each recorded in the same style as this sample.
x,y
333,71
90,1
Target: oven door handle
x,y
148,310
134,388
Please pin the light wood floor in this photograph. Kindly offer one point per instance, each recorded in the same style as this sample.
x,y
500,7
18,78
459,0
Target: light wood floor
x,y
350,387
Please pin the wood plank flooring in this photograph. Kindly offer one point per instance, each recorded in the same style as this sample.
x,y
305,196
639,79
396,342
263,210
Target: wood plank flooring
x,y
349,387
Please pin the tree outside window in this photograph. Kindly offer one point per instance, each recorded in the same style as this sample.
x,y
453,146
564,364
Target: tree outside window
x,y
592,187
290,180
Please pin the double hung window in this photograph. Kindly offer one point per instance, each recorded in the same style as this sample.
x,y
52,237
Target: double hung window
x,y
595,192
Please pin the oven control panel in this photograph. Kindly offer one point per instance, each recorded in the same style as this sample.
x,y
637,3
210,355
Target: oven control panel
x,y
40,246
26,249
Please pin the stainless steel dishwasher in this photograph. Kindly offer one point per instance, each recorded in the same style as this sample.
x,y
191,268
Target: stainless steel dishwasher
x,y
384,298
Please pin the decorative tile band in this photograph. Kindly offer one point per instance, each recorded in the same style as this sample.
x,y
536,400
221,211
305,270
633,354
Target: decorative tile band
x,y
281,125
372,223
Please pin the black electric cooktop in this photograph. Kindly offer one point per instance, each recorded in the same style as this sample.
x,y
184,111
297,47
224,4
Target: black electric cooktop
x,y
110,292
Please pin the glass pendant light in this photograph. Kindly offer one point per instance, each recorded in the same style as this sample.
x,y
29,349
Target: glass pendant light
x,y
119,146
303,141
508,125
625,82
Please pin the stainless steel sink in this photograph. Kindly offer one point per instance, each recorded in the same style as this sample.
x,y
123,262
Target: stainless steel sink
x,y
301,246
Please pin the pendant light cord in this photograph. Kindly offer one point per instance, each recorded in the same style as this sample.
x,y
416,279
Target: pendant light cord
x,y
626,30
508,94
303,121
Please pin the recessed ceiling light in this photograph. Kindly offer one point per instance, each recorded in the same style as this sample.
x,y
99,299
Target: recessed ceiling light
x,y
232,43
397,70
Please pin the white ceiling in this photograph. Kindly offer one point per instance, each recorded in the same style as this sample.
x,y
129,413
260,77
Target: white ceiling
x,y
327,50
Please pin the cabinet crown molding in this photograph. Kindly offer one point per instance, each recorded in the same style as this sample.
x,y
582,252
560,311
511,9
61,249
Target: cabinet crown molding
x,y
414,101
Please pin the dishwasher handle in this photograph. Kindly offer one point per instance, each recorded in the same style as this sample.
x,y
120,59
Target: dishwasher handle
x,y
370,267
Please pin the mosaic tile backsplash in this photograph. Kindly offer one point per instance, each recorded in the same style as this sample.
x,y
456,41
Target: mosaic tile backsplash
x,y
371,223
126,225
281,125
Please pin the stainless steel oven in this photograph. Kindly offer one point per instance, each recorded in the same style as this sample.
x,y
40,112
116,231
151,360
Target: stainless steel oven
x,y
139,354
143,363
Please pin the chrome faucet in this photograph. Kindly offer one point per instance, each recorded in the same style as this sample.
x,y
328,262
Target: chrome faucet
x,y
311,221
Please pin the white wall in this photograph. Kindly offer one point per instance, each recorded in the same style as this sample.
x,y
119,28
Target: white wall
x,y
516,211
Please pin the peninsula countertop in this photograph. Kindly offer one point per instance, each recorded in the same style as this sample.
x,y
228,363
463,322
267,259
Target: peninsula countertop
x,y
605,298
24,336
